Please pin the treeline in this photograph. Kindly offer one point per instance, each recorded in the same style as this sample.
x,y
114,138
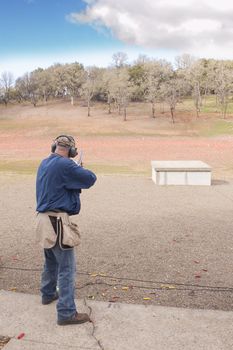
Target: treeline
x,y
146,79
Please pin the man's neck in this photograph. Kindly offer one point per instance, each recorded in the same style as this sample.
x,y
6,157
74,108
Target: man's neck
x,y
62,154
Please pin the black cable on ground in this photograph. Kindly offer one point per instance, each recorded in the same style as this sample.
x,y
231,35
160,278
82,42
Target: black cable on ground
x,y
208,289
165,287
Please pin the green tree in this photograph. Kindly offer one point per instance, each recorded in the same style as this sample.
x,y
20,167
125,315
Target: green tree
x,y
137,77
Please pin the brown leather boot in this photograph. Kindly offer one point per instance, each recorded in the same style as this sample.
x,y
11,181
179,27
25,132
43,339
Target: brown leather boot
x,y
78,318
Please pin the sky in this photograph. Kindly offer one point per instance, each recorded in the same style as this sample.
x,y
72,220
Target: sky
x,y
39,33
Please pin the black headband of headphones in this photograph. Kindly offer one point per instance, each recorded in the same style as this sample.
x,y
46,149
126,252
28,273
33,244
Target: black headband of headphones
x,y
72,149
70,138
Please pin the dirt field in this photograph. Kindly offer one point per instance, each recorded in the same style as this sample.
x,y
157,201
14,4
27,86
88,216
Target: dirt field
x,y
141,243
109,144
170,245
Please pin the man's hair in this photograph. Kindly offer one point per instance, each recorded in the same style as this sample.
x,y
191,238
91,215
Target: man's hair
x,y
65,141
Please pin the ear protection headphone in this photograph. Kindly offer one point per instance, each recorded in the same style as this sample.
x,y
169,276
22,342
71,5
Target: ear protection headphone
x,y
72,150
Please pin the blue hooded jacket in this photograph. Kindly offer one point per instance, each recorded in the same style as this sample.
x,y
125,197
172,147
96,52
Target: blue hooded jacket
x,y
59,183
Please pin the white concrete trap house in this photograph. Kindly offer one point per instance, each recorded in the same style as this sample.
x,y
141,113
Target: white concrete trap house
x,y
181,172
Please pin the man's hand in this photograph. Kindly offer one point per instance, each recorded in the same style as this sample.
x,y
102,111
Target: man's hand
x,y
76,162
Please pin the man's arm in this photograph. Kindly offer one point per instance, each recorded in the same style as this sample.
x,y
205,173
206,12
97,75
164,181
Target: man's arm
x,y
78,177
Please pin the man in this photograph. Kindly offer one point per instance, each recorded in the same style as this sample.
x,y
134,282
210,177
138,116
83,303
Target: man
x,y
58,186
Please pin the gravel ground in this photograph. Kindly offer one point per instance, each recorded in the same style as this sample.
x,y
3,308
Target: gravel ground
x,y
143,244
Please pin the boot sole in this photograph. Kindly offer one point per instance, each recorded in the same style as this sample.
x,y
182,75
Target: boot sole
x,y
67,323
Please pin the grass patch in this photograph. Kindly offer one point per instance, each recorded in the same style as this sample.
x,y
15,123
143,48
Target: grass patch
x,y
19,166
116,169
210,105
21,125
216,128
29,167
116,133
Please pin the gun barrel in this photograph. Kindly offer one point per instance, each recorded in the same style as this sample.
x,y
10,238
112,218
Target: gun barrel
x,y
80,157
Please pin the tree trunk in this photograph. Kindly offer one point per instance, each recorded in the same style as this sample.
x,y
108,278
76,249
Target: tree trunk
x,y
33,100
162,109
172,114
205,94
124,114
153,109
119,108
72,100
197,98
197,107
88,108
109,105
109,108
225,110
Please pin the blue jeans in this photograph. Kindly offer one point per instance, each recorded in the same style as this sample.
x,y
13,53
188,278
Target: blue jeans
x,y
59,270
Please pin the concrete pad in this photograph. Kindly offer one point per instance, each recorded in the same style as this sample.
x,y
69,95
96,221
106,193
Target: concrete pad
x,y
15,344
116,327
24,313
124,326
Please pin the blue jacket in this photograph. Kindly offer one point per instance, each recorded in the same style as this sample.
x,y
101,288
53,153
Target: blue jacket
x,y
59,182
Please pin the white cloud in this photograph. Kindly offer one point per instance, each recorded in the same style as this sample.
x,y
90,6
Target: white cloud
x,y
203,28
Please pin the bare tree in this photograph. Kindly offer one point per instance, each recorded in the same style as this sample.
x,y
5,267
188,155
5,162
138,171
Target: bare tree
x,y
184,62
74,77
156,75
107,80
58,78
43,78
199,79
6,86
121,89
223,86
194,75
142,59
119,59
196,81
90,86
171,92
28,88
